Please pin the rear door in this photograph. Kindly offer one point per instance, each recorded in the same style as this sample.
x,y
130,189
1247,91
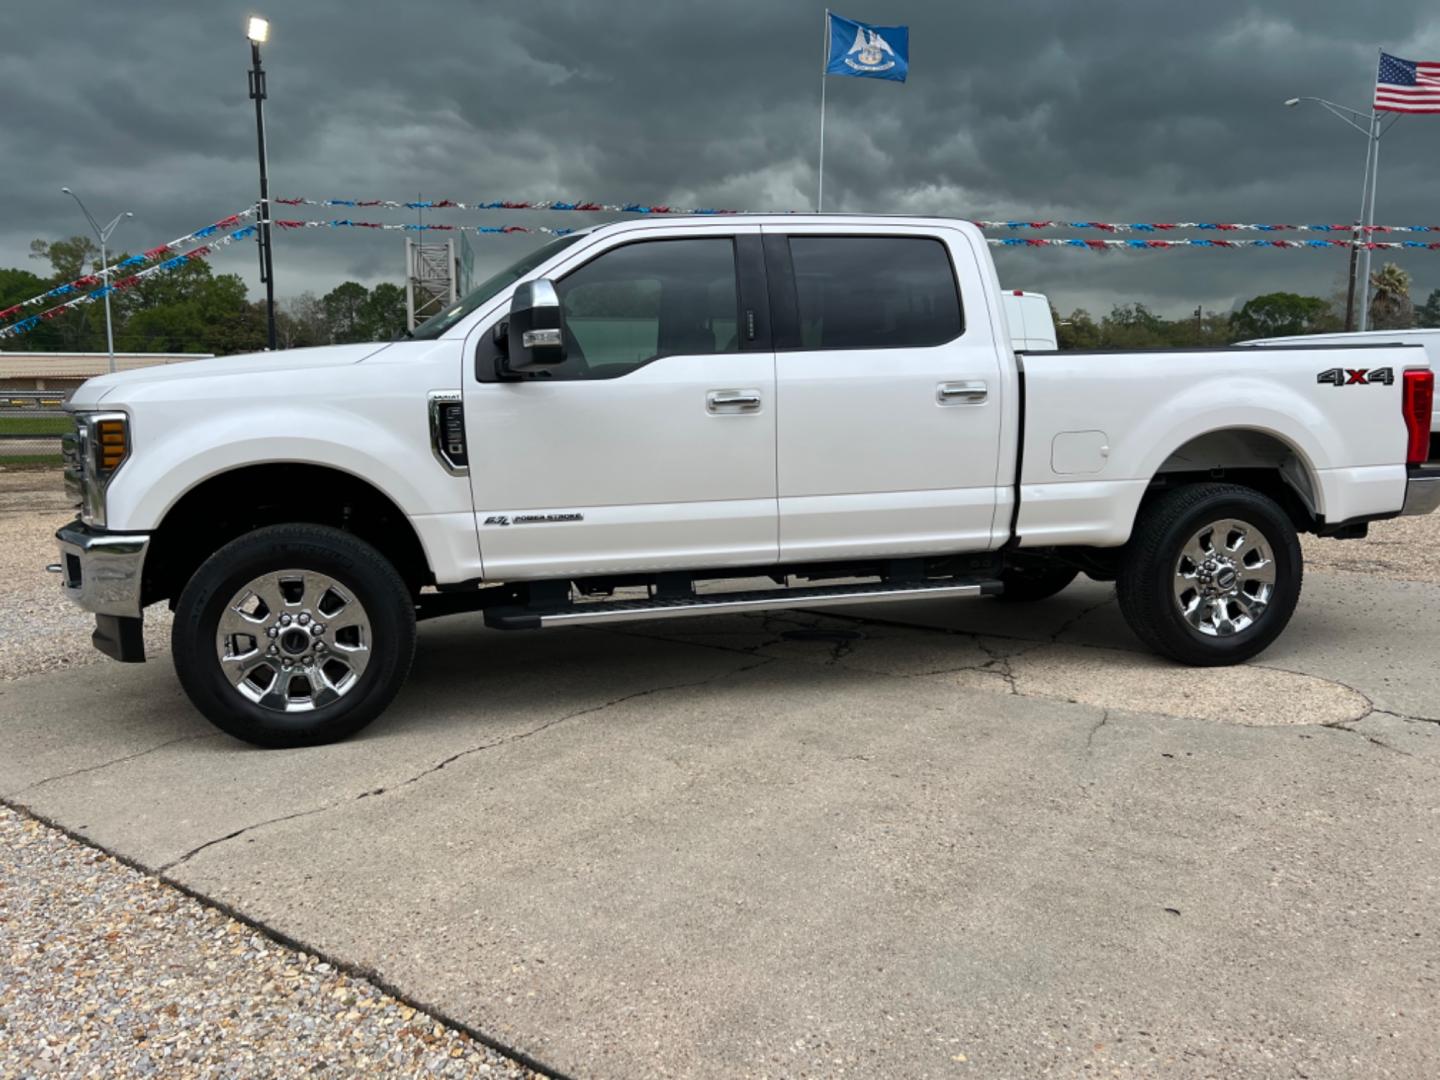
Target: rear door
x,y
652,446
889,408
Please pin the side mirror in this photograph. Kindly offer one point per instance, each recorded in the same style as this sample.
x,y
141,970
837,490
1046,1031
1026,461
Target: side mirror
x,y
535,337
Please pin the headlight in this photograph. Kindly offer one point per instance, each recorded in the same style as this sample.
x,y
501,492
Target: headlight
x,y
100,445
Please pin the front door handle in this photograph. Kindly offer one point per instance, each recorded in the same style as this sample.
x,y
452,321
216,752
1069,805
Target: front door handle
x,y
962,393
732,401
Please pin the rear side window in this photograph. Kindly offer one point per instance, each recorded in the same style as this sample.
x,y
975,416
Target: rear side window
x,y
874,292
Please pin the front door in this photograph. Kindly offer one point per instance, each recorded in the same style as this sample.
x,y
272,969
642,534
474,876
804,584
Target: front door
x,y
652,447
889,404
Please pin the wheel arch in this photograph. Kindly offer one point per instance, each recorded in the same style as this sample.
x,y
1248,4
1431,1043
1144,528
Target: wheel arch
x,y
228,504
1263,458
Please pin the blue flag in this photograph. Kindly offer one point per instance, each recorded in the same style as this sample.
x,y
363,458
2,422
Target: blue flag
x,y
867,52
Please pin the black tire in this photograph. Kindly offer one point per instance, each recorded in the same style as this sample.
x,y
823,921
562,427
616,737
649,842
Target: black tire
x,y
1026,584
361,574
1151,562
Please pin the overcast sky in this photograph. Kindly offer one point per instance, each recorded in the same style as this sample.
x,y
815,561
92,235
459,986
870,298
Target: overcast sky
x,y
1121,110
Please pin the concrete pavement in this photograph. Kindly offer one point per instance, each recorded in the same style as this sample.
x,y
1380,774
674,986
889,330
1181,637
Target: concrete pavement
x,y
977,840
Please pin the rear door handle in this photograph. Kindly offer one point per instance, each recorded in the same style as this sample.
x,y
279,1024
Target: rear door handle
x,y
732,401
962,393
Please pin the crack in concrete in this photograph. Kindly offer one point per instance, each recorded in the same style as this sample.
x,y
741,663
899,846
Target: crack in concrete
x,y
1095,730
1070,623
113,761
1005,669
1405,716
504,741
1341,725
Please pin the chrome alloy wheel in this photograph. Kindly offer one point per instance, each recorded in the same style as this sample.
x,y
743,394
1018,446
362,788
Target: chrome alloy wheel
x,y
1224,578
293,640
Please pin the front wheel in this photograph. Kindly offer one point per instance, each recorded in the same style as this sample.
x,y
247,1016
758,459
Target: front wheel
x,y
1211,574
293,635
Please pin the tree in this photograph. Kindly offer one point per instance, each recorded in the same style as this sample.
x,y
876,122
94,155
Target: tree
x,y
1281,314
1390,307
189,309
343,306
1079,331
1429,314
382,315
67,258
1132,326
300,322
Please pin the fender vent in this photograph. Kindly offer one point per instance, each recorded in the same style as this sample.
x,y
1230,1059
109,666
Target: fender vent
x,y
447,431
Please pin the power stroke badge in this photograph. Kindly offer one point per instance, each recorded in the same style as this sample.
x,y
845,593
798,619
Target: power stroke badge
x,y
531,519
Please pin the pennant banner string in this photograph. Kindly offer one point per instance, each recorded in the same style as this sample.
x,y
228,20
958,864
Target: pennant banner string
x,y
174,262
151,255
644,208
994,241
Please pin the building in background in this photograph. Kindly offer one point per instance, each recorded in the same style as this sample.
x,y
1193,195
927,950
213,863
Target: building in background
x,y
63,372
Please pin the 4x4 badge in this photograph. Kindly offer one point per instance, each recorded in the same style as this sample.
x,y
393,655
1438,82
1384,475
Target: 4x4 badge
x,y
1357,376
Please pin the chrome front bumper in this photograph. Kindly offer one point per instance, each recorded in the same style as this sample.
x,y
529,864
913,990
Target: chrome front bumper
x,y
1422,489
101,569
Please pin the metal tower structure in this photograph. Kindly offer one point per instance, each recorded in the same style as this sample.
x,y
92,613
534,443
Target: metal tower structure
x,y
432,279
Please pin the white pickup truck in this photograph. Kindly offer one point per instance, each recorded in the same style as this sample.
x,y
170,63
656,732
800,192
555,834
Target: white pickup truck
x,y
673,417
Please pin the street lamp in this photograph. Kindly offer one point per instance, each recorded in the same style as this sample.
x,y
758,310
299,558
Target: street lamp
x,y
1372,126
103,235
258,31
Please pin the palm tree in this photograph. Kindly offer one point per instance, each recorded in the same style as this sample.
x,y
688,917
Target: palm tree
x,y
1390,306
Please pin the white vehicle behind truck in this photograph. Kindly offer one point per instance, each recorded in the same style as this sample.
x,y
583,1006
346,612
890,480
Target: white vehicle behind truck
x,y
790,411
1032,324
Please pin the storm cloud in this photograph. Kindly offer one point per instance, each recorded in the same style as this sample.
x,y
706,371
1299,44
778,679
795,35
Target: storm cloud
x,y
1110,109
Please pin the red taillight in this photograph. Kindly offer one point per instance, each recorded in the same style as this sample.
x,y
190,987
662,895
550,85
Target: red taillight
x,y
1418,401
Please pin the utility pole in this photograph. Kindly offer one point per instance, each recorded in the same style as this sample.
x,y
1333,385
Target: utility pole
x,y
259,31
1350,291
102,233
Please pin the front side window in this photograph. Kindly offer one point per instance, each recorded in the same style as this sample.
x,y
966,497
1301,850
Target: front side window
x,y
874,292
646,300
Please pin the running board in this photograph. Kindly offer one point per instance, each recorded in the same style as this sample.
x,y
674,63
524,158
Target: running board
x,y
517,618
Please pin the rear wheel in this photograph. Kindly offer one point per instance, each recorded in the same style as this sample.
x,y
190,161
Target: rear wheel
x,y
1211,575
293,635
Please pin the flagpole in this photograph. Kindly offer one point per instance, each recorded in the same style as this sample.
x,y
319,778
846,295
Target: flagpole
x,y
1373,161
824,62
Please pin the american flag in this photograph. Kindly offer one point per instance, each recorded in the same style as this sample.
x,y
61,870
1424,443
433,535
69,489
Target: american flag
x,y
1407,86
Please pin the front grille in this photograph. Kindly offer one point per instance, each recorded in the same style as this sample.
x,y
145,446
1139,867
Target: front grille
x,y
72,454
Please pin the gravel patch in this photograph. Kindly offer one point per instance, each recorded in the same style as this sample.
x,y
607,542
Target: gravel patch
x,y
1402,549
108,972
112,973
39,629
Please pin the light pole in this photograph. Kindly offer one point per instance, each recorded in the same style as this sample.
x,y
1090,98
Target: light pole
x,y
1372,126
258,32
103,235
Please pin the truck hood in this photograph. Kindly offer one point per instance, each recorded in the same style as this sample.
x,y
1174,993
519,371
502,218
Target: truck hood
x,y
93,391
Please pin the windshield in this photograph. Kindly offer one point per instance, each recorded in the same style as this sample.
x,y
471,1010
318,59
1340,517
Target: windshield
x,y
436,326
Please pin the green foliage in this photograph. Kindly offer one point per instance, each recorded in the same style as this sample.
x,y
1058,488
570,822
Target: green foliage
x,y
1429,313
342,308
1390,305
67,258
1281,314
383,314
192,309
1134,326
